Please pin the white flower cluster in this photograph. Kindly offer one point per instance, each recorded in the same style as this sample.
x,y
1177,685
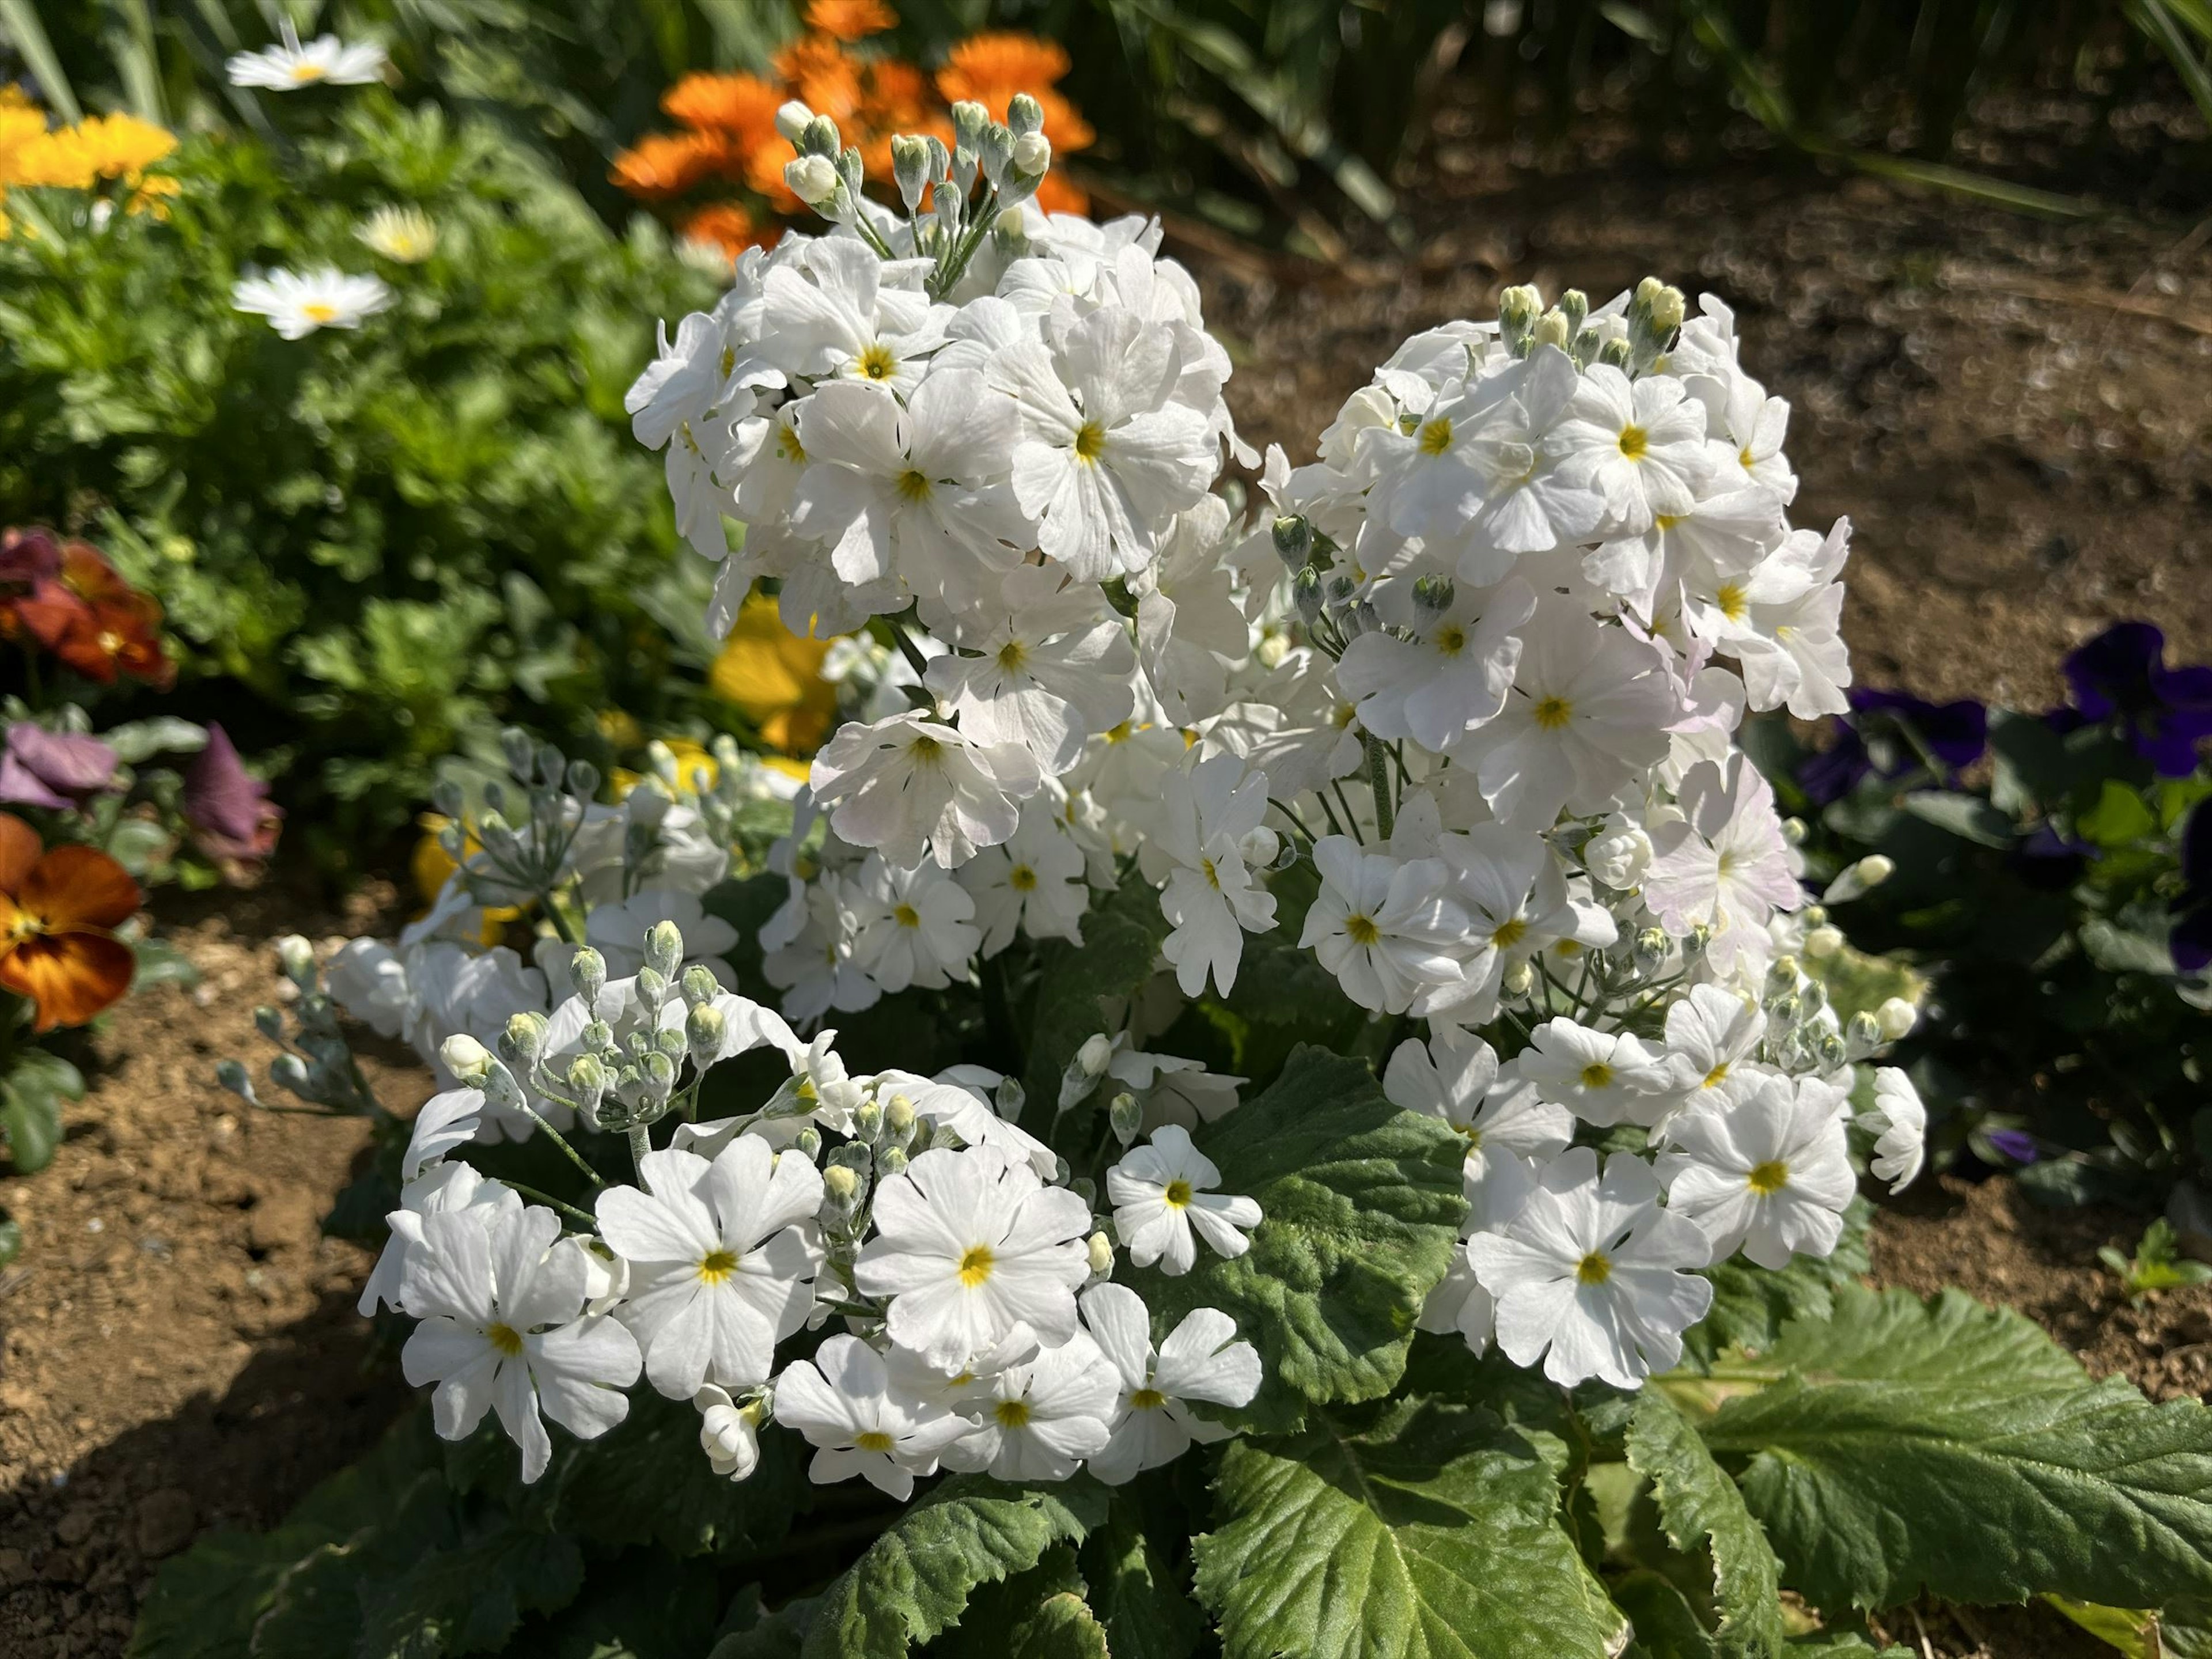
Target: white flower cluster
x,y
980,1330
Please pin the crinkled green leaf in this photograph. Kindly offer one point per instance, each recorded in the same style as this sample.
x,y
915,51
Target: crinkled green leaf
x,y
1409,1530
752,1633
1042,1614
916,1578
1699,1502
470,1599
1956,1448
1363,1203
1667,1626
1752,1304
1145,1612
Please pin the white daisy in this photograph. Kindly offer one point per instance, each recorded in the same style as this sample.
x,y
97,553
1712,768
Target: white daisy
x,y
298,303
1164,1192
1199,1360
326,60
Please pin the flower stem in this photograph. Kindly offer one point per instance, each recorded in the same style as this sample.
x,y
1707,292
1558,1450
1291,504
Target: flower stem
x,y
1378,781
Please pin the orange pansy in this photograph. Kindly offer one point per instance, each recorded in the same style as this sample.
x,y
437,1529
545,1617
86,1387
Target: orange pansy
x,y
57,913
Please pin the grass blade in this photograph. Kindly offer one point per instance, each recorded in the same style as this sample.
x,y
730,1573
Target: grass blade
x,y
19,20
2155,20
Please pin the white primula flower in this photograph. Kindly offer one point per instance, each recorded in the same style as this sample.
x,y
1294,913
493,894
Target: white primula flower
x,y
1619,854
501,1331
325,61
1898,1122
722,1257
1769,1170
1032,882
861,1421
911,926
1163,1193
1379,925
1189,626
1603,1078
1459,1305
1052,667
441,1187
298,303
1108,457
1593,1277
909,786
727,1434
617,931
1432,481
1709,1032
848,322
969,1243
1508,1130
1640,444
1200,1359
1724,863
1172,1089
1452,676
1037,1421
1209,826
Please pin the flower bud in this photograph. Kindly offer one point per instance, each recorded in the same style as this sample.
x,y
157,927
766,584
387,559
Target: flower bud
x,y
582,780
1552,329
1615,353
702,1030
519,750
1695,941
1024,115
522,1039
232,1076
1785,1011
1518,980
664,948
652,989
1032,154
1008,1099
289,1072
1781,976
1433,594
1651,947
808,1141
1815,996
1831,1051
587,972
587,1081
297,959
1897,1018
910,168
1574,306
468,1060
1619,854
446,798
699,985
868,1118
1306,594
890,1162
1293,536
1518,308
1126,1116
820,139
791,121
812,179
1859,879
898,1116
1862,1036
1821,942
840,1184
969,121
996,149
1102,1255
269,1023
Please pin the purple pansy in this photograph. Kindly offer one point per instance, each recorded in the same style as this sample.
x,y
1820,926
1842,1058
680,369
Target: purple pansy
x,y
2015,1144
228,806
2121,677
53,769
1954,734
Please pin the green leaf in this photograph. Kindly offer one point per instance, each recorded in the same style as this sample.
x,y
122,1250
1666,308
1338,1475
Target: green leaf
x,y
31,1099
1967,817
1038,1615
1412,1529
645,1482
1751,1304
1667,1626
1362,1203
470,1599
753,1634
1697,1501
1956,1448
2118,817
2126,1630
11,1238
1145,1613
916,1578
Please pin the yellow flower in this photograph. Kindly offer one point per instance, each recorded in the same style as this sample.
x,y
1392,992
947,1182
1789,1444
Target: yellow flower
x,y
431,864
122,145
774,679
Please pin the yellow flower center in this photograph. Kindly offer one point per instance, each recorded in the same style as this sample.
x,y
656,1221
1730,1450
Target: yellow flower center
x,y
1716,1076
1768,1178
304,72
1730,599
716,1266
787,446
1665,521
1177,1195
1743,458
1451,638
1596,1074
1634,440
1090,442
976,1265
913,486
506,1339
924,748
1594,1268
1012,654
1148,1400
1117,733
1508,933
1552,712
1362,930
1011,1414
1436,436
1021,878
872,1440
907,916
1471,1135
317,311
877,363
1212,876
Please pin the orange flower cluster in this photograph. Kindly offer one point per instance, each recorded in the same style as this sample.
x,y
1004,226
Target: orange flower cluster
x,y
727,122
119,147
65,597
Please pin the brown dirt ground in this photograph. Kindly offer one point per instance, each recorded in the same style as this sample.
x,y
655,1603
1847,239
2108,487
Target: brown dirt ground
x,y
2013,414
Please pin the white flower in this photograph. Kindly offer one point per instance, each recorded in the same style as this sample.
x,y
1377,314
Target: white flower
x,y
1507,887
1603,1078
908,785
1768,1170
1033,881
298,303
404,235
1592,1277
1163,1192
1199,1360
1709,1033
1459,1305
1450,678
1379,926
1617,854
617,931
852,1410
288,66
1053,668
369,982
910,926
722,1258
727,1434
1641,445
969,1243
448,1119
1037,1421
1724,863
1898,1122
1508,1130
1108,457
501,1331
1189,627
1588,710
1209,825
1171,1089
441,1187
847,321
1432,481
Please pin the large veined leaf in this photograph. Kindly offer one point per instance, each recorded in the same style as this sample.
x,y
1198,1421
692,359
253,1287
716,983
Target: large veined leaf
x,y
916,1578
1363,1203
1408,1530
1697,1501
1956,1448
1042,1614
1145,1613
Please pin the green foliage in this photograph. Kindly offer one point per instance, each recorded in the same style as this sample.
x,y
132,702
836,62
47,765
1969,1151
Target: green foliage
x,y
32,1092
1362,1203
1698,1502
2157,1264
376,546
1412,1528
1956,1448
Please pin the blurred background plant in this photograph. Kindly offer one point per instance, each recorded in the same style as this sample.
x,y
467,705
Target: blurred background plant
x,y
2052,873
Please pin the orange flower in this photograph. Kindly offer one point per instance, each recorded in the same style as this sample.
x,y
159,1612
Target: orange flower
x,y
742,106
991,68
849,20
821,76
92,619
668,164
726,226
58,912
